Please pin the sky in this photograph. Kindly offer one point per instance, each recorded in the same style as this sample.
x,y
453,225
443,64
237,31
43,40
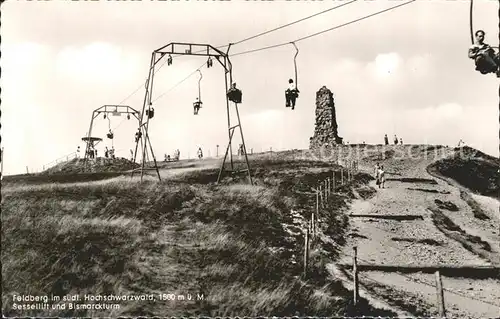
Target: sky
x,y
403,72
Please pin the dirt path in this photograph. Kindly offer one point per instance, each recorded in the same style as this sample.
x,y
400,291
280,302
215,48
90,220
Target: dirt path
x,y
420,242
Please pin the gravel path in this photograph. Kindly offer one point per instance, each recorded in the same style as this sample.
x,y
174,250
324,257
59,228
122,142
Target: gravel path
x,y
382,241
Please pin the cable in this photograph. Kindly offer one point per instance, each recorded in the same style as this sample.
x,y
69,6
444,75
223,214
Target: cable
x,y
253,37
178,83
281,44
324,31
282,26
294,22
141,85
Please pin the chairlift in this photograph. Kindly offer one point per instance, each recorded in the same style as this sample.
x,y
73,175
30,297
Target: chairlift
x,y
292,93
198,103
169,60
110,134
209,62
150,112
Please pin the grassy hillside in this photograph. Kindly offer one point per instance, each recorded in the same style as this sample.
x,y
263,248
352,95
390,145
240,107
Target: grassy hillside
x,y
236,245
473,169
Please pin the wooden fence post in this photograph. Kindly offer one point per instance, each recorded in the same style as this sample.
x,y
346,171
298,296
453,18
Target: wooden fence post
x,y
326,191
321,195
333,174
355,275
328,185
317,203
342,176
313,225
440,296
306,252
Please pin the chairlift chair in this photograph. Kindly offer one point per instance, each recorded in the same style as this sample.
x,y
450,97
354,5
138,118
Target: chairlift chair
x,y
150,112
234,94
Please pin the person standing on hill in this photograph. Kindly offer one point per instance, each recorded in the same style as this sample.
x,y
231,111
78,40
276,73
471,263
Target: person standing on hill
x,y
381,177
395,140
386,139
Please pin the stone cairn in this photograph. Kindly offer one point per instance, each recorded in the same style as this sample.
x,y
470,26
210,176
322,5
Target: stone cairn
x,y
325,131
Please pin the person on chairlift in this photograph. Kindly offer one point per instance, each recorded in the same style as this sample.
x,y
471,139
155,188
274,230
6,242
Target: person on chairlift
x,y
234,94
138,135
487,61
291,94
196,106
150,112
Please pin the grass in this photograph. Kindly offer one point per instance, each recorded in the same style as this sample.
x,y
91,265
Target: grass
x,y
473,169
228,243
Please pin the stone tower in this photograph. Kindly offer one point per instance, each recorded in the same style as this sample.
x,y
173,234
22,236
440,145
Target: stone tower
x,y
325,130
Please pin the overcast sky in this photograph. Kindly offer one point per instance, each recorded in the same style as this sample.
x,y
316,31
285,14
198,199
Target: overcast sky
x,y
404,72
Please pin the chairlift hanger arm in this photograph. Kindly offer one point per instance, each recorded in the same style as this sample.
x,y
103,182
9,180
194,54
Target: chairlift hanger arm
x,y
470,21
199,85
295,65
